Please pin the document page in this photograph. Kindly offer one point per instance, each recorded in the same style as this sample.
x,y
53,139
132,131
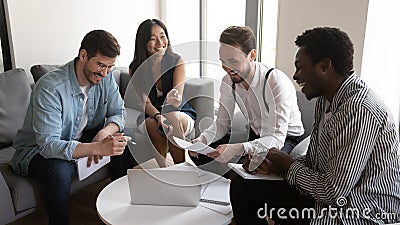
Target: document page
x,y
239,170
196,147
84,171
216,196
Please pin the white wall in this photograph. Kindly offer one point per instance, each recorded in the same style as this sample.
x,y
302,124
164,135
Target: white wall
x,y
50,32
295,16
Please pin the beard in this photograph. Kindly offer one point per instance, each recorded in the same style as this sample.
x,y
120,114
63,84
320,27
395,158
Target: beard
x,y
242,76
89,75
240,80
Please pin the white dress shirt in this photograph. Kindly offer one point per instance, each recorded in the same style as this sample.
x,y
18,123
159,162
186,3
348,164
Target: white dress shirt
x,y
283,117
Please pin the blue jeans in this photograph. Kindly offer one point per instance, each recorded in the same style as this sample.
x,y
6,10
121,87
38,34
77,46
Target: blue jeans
x,y
55,177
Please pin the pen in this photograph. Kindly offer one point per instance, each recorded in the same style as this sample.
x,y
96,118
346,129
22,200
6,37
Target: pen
x,y
214,201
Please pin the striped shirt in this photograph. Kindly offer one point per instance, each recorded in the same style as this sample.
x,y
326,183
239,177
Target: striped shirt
x,y
352,166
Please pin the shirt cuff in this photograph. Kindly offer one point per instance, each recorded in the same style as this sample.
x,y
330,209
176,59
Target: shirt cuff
x,y
73,144
247,147
209,138
118,122
292,172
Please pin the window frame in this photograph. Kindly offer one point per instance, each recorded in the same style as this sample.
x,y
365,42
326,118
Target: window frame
x,y
5,43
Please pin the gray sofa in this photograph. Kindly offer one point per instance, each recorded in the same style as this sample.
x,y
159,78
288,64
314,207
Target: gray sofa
x,y
21,195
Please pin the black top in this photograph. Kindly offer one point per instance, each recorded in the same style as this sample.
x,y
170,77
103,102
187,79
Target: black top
x,y
168,65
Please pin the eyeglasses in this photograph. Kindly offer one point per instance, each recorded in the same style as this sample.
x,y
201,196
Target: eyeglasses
x,y
102,67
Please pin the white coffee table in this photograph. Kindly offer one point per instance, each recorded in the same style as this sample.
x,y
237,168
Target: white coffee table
x,y
113,207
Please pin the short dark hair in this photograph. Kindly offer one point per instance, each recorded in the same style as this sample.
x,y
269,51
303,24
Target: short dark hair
x,y
241,36
100,41
327,42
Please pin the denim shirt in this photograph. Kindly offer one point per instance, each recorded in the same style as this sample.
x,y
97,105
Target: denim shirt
x,y
54,114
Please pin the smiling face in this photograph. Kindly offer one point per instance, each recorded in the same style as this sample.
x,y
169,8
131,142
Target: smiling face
x,y
94,69
158,42
235,62
309,76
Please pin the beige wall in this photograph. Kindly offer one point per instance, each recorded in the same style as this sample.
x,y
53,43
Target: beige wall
x,y
48,31
295,16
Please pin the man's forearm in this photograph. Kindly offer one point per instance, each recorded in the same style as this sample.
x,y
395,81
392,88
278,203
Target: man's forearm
x,y
109,129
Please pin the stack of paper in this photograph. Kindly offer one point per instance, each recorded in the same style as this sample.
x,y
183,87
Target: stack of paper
x,y
217,191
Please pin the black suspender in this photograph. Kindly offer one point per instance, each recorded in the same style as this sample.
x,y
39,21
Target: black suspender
x,y
263,91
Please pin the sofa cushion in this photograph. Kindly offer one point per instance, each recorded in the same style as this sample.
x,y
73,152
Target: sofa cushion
x,y
25,191
14,99
38,71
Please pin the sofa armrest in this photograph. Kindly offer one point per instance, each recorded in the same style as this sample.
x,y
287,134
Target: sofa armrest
x,y
6,204
199,92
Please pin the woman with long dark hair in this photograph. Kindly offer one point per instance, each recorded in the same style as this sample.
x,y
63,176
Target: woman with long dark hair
x,y
159,75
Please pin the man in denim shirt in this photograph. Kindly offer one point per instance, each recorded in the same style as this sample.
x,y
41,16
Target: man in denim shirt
x,y
74,111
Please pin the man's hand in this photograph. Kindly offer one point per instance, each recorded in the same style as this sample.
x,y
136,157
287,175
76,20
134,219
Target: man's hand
x,y
276,161
95,158
113,144
199,139
226,152
265,166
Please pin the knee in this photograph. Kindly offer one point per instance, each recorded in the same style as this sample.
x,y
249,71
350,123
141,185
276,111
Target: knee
x,y
238,187
60,170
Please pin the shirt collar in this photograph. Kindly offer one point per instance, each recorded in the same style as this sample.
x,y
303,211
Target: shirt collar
x,y
70,67
346,90
256,78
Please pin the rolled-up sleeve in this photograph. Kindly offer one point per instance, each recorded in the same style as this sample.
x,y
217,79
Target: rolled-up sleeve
x,y
47,124
225,112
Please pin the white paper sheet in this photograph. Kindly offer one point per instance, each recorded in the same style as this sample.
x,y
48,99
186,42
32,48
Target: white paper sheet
x,y
84,171
217,190
239,170
196,147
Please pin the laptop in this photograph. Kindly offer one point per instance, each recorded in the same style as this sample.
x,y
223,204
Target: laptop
x,y
164,187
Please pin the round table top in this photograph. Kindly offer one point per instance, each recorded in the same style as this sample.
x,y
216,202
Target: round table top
x,y
114,207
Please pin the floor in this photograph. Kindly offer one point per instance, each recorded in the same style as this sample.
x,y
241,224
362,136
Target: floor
x,y
82,205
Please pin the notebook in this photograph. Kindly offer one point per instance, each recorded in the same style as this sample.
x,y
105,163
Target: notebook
x,y
164,187
239,170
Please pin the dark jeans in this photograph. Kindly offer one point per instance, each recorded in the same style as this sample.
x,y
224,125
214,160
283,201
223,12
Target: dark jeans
x,y
252,200
55,176
206,163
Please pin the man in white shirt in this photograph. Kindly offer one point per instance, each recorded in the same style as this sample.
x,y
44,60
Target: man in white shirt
x,y
266,97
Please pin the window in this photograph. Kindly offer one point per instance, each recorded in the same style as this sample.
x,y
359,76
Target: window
x,y
205,21
5,62
381,50
268,24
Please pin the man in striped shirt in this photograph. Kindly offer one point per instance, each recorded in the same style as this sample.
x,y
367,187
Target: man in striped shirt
x,y
351,172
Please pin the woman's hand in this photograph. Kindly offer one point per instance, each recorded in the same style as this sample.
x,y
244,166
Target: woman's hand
x,y
174,98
